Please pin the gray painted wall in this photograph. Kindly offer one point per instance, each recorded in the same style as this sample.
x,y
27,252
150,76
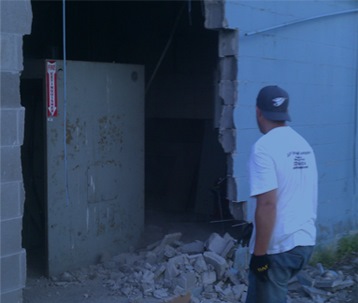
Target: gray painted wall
x,y
316,61
16,17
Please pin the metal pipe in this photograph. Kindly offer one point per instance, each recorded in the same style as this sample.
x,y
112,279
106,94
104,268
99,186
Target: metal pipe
x,y
300,21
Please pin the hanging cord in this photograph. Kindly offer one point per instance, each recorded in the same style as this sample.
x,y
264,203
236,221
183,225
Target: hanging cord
x,y
165,50
65,99
189,11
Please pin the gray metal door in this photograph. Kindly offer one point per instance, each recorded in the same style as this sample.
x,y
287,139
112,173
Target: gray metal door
x,y
95,161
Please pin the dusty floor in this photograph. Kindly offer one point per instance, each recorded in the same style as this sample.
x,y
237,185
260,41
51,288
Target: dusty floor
x,y
42,290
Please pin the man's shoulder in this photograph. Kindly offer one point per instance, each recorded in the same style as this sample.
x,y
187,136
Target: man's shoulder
x,y
281,139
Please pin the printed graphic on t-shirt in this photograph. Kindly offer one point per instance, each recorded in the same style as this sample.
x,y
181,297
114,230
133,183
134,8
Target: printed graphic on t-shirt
x,y
299,159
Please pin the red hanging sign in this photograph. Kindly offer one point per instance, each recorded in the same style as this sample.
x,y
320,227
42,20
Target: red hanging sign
x,y
51,87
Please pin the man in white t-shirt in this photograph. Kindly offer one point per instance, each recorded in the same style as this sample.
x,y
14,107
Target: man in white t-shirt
x,y
283,180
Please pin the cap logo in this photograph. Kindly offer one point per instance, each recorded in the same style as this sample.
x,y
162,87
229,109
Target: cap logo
x,y
278,101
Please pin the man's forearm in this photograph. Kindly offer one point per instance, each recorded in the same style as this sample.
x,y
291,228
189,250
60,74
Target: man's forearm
x,y
265,217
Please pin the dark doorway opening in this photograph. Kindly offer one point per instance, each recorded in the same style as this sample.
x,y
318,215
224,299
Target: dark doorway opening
x,y
33,170
183,158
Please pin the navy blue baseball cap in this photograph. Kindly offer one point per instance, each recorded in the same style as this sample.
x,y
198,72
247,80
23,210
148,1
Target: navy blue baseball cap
x,y
273,102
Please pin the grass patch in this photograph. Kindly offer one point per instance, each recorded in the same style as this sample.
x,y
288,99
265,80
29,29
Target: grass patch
x,y
347,245
328,256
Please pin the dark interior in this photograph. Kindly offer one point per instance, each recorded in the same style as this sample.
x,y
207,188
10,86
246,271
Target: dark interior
x,y
184,162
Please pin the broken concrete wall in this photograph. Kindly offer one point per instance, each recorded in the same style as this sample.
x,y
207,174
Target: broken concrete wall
x,y
311,50
227,94
16,18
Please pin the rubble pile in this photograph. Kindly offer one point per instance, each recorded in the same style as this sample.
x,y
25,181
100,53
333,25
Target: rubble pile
x,y
170,268
199,272
323,285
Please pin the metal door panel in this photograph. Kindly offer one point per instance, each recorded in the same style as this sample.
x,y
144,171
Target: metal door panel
x,y
95,190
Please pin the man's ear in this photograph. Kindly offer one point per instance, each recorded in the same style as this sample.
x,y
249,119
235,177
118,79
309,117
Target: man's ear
x,y
258,112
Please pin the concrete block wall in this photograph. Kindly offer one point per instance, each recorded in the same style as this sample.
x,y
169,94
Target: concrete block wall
x,y
227,84
16,18
316,61
228,96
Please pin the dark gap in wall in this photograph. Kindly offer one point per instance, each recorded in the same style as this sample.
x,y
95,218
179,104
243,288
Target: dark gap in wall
x,y
33,171
184,159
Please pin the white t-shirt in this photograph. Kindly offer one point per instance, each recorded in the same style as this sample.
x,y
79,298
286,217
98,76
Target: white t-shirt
x,y
283,160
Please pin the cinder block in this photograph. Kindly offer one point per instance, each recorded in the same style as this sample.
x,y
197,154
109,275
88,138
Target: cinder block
x,y
11,52
215,243
11,199
217,261
173,266
227,138
227,117
8,127
12,272
228,91
220,245
10,164
228,43
12,125
230,243
11,236
10,90
228,68
187,280
214,14
16,16
199,263
193,247
208,277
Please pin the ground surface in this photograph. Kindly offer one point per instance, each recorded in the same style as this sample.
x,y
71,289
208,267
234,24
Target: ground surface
x,y
42,290
93,290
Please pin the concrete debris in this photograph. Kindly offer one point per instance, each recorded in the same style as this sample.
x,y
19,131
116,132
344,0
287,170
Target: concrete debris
x,y
317,295
219,263
320,284
223,246
195,247
174,272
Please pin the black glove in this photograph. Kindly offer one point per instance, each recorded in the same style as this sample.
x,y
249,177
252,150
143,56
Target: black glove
x,y
246,234
260,266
